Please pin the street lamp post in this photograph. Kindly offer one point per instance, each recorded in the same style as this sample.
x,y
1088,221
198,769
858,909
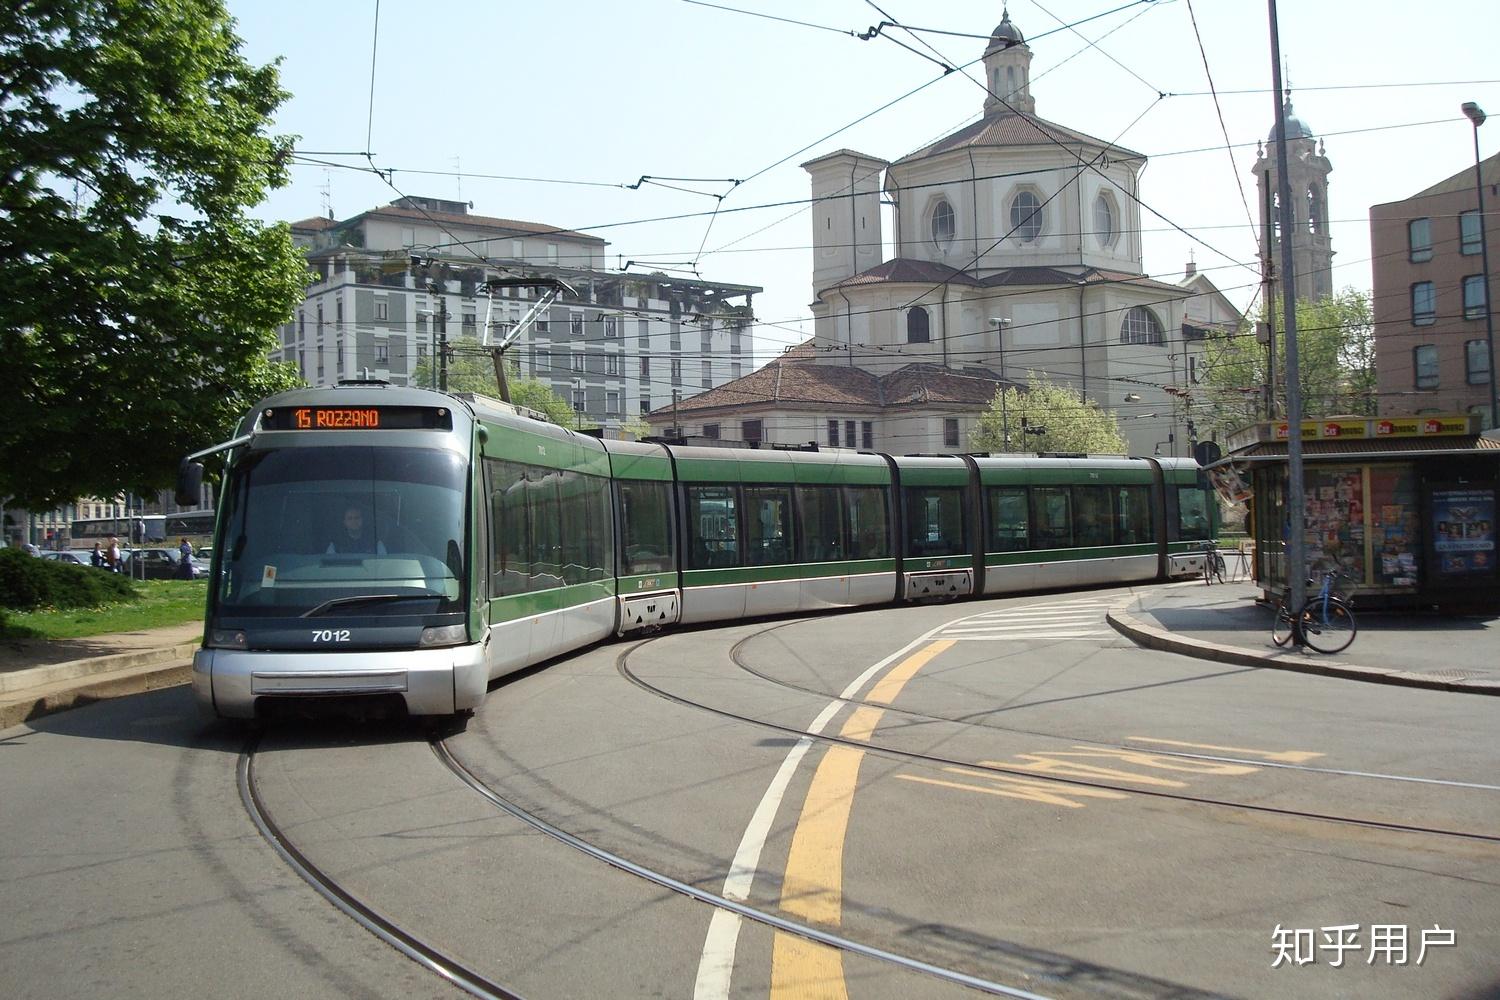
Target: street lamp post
x,y
1476,115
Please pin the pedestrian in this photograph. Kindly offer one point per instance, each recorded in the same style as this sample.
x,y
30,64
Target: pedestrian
x,y
33,549
96,557
185,570
112,555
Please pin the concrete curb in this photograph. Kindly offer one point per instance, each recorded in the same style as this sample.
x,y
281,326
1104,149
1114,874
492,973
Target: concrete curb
x,y
35,677
58,696
1153,637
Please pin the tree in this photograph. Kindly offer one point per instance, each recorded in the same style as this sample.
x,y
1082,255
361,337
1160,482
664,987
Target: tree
x,y
1046,416
140,300
1335,365
471,370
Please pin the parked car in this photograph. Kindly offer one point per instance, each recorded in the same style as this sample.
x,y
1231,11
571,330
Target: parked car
x,y
78,558
150,564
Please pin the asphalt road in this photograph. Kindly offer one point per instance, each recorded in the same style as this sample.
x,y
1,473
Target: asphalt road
x,y
1008,790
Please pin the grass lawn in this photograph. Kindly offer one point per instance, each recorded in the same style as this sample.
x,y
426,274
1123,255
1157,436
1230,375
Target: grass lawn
x,y
162,602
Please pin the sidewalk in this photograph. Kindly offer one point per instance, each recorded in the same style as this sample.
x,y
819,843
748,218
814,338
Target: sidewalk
x,y
41,676
1441,652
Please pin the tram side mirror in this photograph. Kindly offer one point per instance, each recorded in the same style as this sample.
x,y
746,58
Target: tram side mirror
x,y
189,483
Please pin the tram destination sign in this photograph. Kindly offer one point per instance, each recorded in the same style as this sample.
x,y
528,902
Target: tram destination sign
x,y
356,418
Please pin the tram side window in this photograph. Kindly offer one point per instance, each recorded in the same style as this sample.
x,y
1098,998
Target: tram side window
x,y
1051,517
821,522
713,528
1093,525
1192,513
601,533
546,547
510,542
1008,519
646,527
768,525
868,522
1133,514
935,520
573,534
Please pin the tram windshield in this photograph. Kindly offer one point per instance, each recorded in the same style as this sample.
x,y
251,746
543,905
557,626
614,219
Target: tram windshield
x,y
346,531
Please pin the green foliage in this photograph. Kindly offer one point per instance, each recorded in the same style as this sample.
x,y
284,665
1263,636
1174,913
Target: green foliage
x,y
1335,365
27,582
1068,421
471,370
140,300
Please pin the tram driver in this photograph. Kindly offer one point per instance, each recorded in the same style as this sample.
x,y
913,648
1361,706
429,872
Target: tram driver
x,y
356,536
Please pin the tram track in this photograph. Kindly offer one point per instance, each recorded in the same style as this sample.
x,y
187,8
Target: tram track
x,y
472,981
736,656
622,666
456,972
425,954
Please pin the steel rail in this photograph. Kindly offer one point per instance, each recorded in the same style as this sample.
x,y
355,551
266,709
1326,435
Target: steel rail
x,y
623,668
445,966
445,755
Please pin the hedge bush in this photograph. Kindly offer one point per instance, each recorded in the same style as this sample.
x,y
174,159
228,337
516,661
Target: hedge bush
x,y
27,582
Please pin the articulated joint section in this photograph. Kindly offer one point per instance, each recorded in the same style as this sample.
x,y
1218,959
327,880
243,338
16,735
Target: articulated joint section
x,y
941,583
643,611
1181,564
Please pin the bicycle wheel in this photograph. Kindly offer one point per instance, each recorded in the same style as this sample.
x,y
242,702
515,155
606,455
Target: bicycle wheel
x,y
1217,562
1281,627
1330,630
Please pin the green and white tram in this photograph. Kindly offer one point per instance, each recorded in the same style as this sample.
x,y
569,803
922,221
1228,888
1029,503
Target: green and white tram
x,y
384,543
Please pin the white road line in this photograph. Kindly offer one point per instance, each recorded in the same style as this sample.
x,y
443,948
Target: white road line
x,y
1038,637
716,966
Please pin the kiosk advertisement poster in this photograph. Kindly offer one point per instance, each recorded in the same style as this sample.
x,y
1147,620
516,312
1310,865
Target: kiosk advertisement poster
x,y
1463,531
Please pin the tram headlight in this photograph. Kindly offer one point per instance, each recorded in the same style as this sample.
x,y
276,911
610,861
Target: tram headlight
x,y
226,638
442,635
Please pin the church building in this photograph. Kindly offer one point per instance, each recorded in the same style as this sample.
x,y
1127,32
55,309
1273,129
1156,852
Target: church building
x,y
1017,250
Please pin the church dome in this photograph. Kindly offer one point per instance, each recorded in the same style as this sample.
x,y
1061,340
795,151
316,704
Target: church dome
x,y
1295,127
1005,33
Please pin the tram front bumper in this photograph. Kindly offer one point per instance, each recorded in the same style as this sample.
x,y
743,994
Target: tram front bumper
x,y
227,682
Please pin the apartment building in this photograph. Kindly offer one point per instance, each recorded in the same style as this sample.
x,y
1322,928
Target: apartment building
x,y
1431,347
392,280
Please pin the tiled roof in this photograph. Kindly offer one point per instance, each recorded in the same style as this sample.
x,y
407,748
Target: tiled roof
x,y
477,222
1006,128
910,271
798,378
316,222
907,269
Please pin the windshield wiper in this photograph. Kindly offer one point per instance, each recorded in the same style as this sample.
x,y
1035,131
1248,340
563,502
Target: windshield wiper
x,y
367,599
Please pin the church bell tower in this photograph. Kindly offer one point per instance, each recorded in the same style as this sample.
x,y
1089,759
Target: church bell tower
x,y
1307,169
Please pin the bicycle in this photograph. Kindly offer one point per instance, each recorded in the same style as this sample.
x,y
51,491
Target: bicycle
x,y
1325,624
1213,564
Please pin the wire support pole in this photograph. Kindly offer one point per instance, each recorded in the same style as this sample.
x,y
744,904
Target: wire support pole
x,y
1484,262
1296,536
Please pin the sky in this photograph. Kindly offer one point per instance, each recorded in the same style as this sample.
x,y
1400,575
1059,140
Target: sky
x,y
544,112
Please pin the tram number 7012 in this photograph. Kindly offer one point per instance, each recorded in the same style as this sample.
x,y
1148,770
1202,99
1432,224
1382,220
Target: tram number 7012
x,y
330,635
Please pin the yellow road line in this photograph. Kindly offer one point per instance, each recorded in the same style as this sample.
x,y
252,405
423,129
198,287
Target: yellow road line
x,y
1284,756
812,888
886,689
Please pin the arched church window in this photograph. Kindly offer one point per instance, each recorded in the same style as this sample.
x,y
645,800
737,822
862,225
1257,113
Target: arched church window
x,y
917,329
1140,326
1026,216
1104,220
1314,210
942,224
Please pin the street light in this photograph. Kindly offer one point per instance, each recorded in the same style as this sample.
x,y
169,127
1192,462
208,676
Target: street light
x,y
1476,115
